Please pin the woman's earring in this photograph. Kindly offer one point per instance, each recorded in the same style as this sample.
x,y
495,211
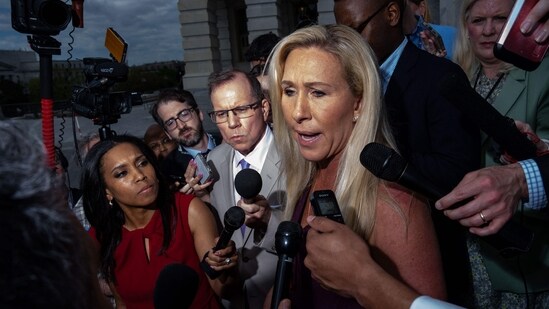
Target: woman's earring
x,y
355,118
110,203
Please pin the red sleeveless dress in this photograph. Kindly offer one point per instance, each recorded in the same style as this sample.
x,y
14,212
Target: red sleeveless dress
x,y
136,275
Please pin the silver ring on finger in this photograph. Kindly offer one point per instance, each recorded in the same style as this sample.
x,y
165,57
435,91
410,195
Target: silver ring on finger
x,y
482,217
227,261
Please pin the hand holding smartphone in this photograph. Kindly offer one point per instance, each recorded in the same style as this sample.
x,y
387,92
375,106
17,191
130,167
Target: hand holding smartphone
x,y
515,47
206,168
325,204
435,37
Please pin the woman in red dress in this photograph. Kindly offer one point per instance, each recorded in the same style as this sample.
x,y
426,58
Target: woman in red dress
x,y
142,227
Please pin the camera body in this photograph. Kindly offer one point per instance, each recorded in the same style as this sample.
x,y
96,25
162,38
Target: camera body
x,y
94,100
43,17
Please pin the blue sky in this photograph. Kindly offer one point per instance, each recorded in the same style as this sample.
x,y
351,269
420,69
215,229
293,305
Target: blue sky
x,y
151,29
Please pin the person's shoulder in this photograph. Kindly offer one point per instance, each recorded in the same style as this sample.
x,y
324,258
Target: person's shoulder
x,y
445,29
393,193
439,67
220,150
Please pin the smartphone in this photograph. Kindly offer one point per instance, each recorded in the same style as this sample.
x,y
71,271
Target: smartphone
x,y
325,204
206,168
116,45
515,47
437,39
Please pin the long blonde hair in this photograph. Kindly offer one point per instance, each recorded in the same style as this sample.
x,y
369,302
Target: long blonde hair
x,y
463,51
355,187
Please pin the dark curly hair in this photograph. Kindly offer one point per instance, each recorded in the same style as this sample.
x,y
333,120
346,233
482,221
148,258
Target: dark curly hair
x,y
108,220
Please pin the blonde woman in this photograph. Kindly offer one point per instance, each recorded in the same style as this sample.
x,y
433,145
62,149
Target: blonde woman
x,y
326,107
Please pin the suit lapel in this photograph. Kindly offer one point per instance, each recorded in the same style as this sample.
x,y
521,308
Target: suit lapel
x,y
227,177
403,73
270,171
512,88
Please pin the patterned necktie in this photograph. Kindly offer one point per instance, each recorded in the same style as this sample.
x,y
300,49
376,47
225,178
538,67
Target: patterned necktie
x,y
244,165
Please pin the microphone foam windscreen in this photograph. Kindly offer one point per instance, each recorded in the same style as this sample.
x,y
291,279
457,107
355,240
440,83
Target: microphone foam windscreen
x,y
248,183
288,238
234,218
175,287
382,161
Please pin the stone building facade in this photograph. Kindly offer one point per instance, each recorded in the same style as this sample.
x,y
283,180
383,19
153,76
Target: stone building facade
x,y
216,33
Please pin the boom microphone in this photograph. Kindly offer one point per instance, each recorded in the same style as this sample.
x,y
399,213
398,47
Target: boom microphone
x,y
233,220
502,129
175,287
287,242
382,161
248,184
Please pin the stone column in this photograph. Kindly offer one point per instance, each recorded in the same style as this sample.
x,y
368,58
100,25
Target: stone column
x,y
263,17
326,12
200,41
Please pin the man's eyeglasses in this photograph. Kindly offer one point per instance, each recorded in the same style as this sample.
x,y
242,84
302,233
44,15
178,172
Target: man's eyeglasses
x,y
244,111
183,116
365,23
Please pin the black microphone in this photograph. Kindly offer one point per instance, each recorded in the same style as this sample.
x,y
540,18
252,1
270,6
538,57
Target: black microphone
x,y
500,128
512,239
248,184
287,242
175,287
233,220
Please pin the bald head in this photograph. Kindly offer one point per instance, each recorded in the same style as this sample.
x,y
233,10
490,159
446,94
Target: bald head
x,y
378,21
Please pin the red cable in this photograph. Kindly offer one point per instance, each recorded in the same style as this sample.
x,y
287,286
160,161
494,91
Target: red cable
x,y
47,130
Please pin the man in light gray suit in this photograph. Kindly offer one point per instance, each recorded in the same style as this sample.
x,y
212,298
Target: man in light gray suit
x,y
240,112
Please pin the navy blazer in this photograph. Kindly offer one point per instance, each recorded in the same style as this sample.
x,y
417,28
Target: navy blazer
x,y
440,143
430,132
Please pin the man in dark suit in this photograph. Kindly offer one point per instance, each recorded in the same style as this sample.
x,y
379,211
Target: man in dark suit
x,y
430,133
240,111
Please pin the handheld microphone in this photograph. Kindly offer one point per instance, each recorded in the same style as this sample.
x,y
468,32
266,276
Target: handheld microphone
x,y
248,184
233,220
511,240
500,128
287,242
175,287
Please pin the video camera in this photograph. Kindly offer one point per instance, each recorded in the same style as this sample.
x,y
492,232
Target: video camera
x,y
94,100
45,17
